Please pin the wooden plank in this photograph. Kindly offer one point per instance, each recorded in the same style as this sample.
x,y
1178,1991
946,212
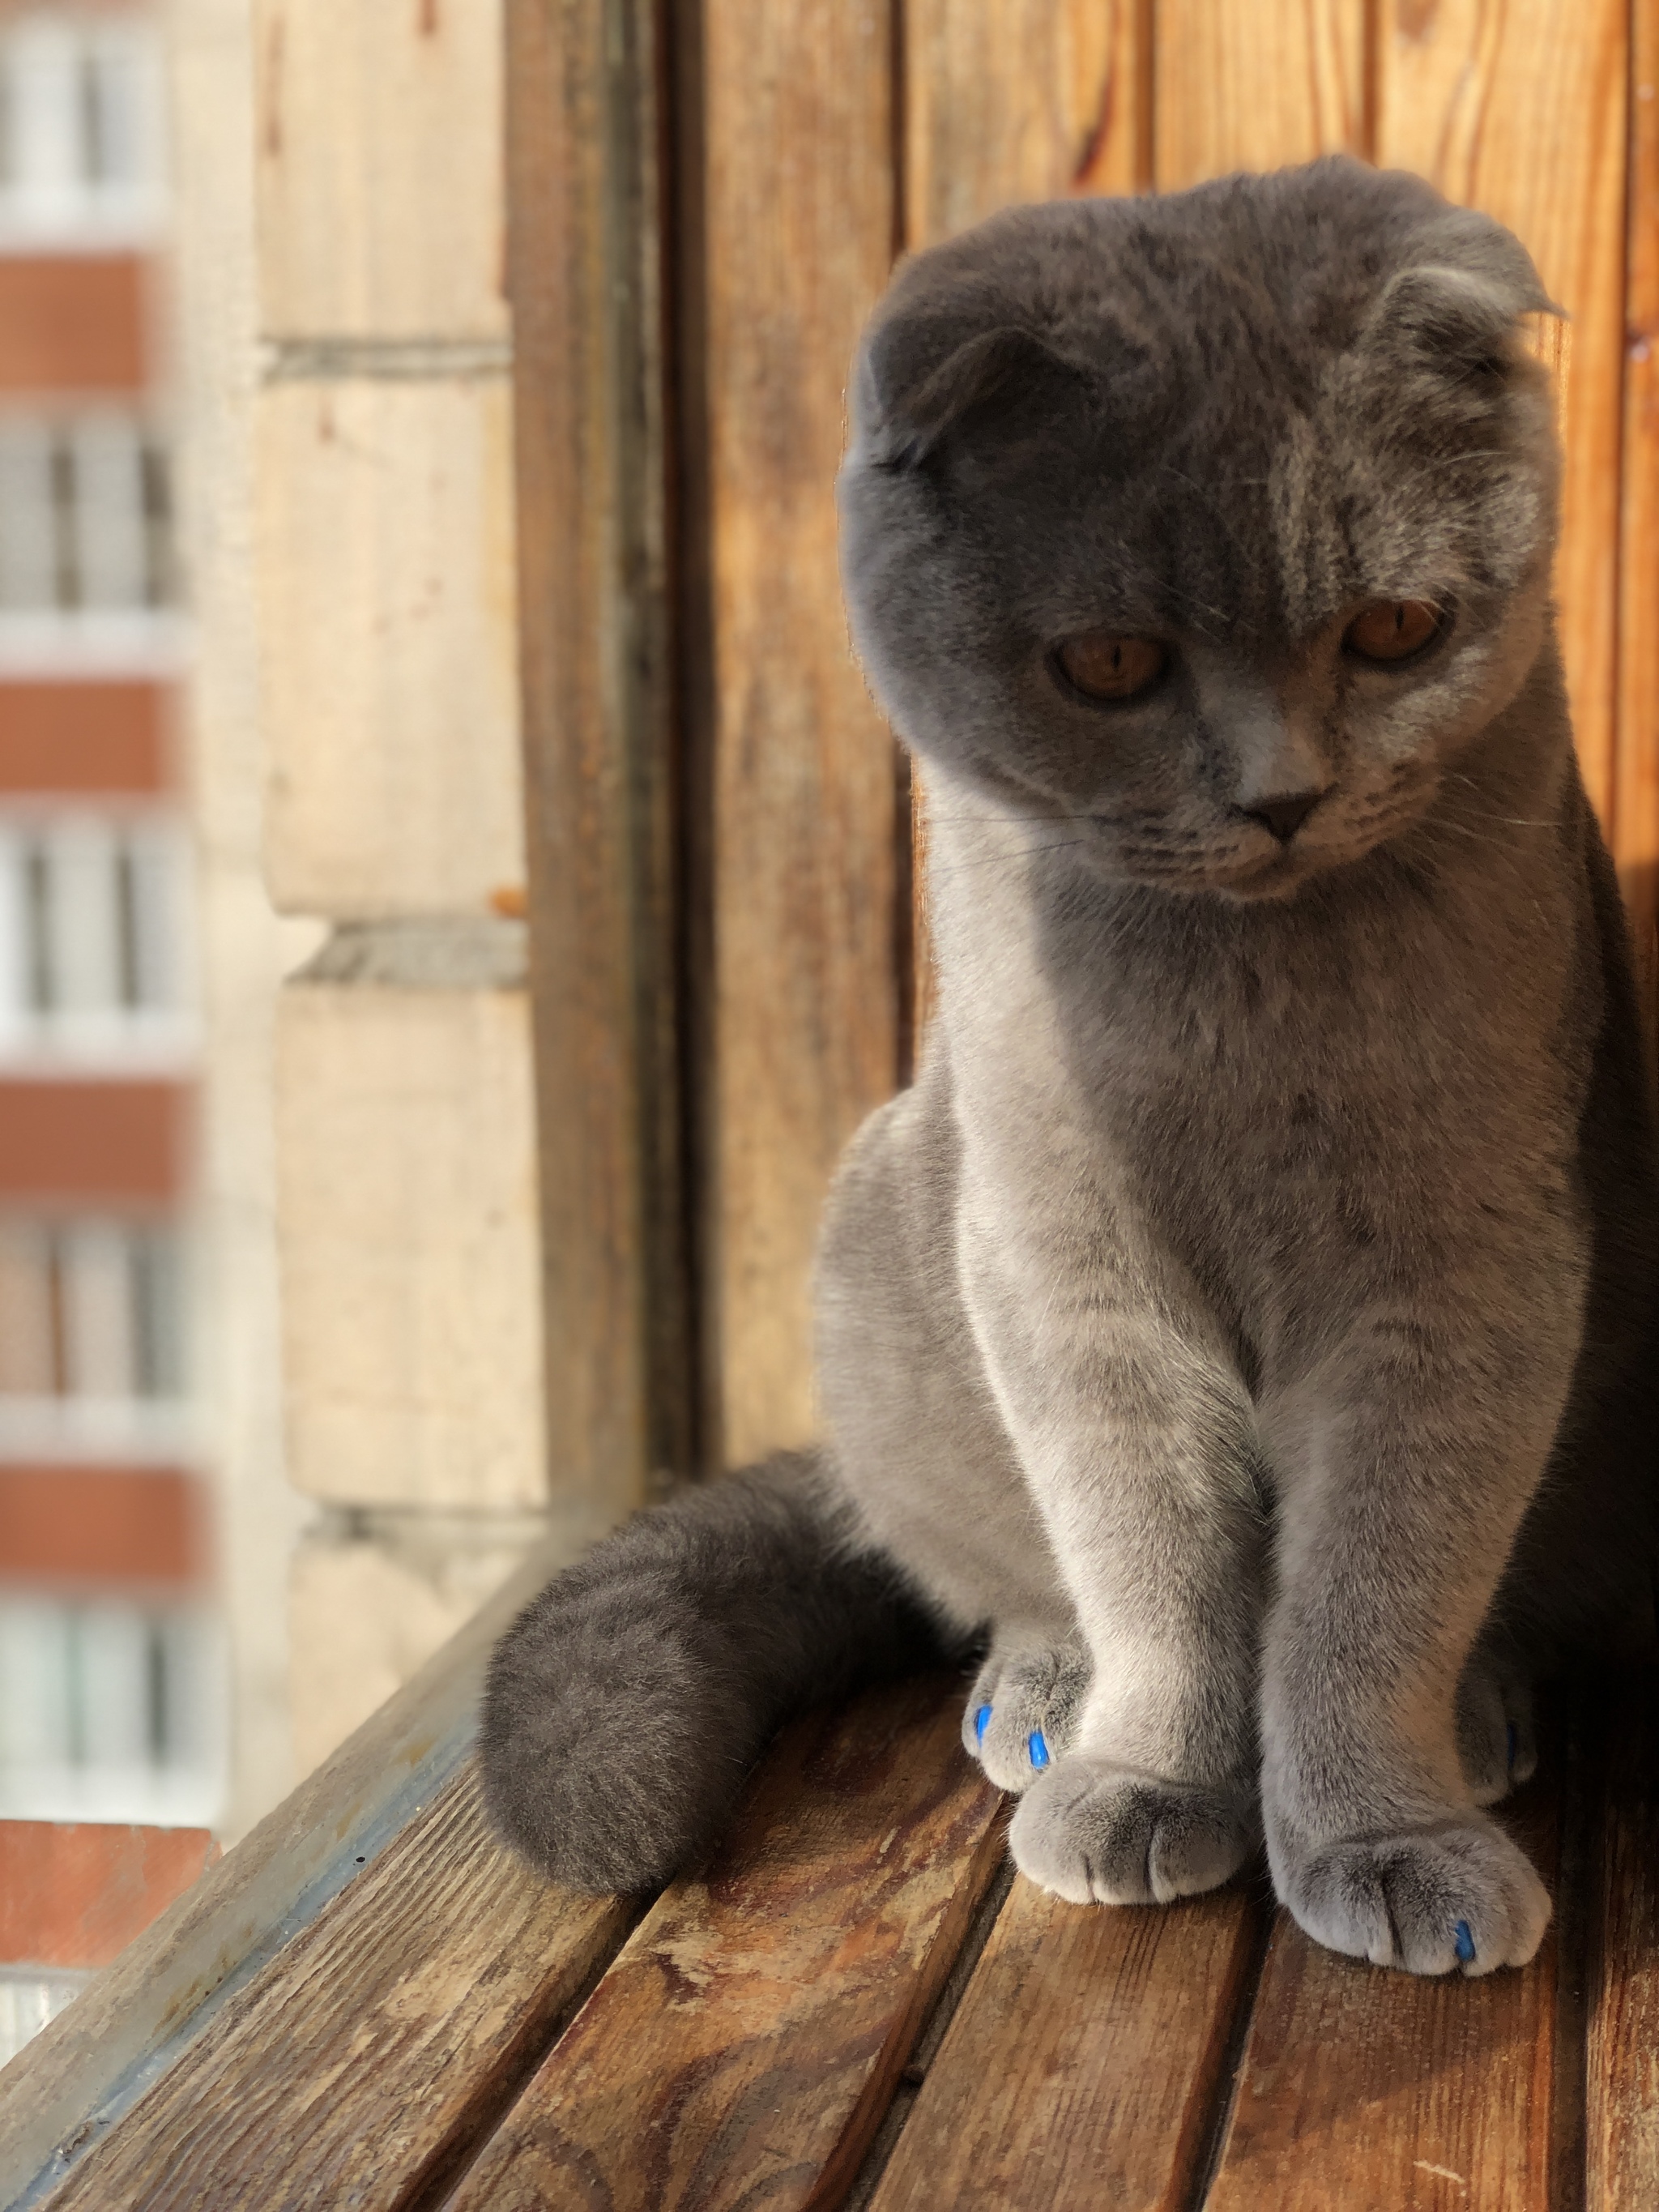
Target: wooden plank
x,y
1382,2092
1255,86
361,2065
743,2046
800,231
1635,795
1521,111
598,740
379,169
77,2076
1084,2063
1020,100
1622,2044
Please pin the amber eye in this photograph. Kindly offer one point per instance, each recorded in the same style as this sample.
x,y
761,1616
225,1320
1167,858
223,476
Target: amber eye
x,y
1103,666
1393,629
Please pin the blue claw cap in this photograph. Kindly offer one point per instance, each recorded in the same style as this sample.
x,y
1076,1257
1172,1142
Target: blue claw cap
x,y
1515,1738
1465,1944
982,1721
1037,1747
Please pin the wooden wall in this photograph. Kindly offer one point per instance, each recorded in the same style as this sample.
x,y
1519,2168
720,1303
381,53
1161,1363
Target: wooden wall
x,y
792,149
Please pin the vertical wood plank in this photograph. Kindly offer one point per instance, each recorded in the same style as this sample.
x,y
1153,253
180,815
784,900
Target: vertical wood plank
x,y
800,223
1083,2062
583,257
1636,789
1622,2059
1255,86
743,2046
1020,100
1521,110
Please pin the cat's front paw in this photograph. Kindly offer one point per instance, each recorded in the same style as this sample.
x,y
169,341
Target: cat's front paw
x,y
1497,1747
1093,1832
1455,1896
1022,1714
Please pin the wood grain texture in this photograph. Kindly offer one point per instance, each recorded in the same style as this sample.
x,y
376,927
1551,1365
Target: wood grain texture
x,y
146,2009
1381,2092
741,2049
583,252
1622,2058
1521,110
1083,2064
1636,783
1253,86
800,224
1019,100
359,2067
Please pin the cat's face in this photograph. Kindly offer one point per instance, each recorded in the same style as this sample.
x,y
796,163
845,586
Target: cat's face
x,y
1215,527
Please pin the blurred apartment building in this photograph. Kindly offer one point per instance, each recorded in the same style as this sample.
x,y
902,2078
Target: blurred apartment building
x,y
111,1727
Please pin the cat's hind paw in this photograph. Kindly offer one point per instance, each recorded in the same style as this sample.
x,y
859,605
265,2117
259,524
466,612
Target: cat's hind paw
x,y
1457,1896
1094,1833
1497,1747
1023,1711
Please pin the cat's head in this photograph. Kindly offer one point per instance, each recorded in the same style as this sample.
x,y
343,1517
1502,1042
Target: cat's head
x,y
1217,523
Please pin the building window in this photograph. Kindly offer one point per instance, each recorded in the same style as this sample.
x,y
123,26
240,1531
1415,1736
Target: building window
x,y
90,1310
82,131
94,964
84,515
108,1711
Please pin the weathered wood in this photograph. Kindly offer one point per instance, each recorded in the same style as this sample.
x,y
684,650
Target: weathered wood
x,y
1020,100
1636,789
742,2048
1622,2044
584,256
1255,86
361,2066
146,2010
1084,2063
1383,2092
800,226
1520,111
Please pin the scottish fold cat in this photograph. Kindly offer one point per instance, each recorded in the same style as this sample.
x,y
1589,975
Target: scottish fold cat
x,y
1241,1335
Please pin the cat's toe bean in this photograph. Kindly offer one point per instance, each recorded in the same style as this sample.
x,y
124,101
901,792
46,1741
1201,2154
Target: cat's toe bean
x,y
1459,1896
1095,1832
1022,1711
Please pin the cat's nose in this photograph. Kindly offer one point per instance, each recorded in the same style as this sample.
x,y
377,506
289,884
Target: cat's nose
x,y
1284,813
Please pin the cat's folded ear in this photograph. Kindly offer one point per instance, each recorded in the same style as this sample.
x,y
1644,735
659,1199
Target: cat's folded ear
x,y
1458,301
909,404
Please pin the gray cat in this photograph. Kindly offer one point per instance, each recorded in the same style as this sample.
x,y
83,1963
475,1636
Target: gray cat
x,y
1243,1330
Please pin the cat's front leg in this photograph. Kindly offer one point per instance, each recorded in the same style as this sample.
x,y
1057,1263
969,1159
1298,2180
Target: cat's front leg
x,y
1134,1436
1405,1464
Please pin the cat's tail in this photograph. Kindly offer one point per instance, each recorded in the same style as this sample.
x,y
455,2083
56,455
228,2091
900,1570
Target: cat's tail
x,y
627,1703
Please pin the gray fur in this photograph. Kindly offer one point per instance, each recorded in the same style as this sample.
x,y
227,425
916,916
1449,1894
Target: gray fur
x,y
1245,1323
